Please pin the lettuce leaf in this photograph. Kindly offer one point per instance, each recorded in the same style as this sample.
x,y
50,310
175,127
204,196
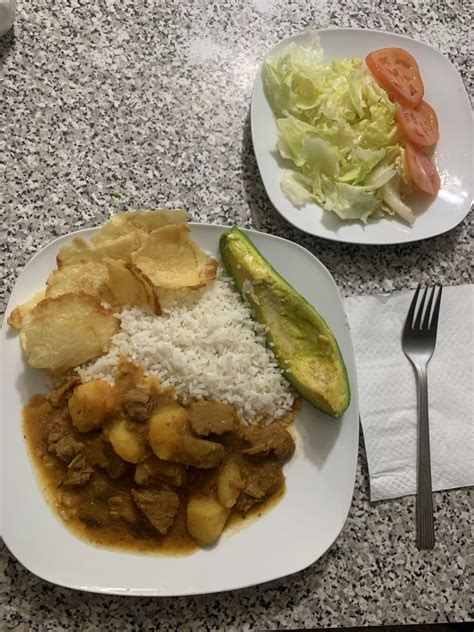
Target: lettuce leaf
x,y
337,132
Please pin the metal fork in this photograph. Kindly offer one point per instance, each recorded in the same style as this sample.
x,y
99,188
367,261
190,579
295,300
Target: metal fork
x,y
418,344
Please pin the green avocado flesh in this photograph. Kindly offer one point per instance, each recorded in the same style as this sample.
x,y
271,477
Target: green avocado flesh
x,y
302,342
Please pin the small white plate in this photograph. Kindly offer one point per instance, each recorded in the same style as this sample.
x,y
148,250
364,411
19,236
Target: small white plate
x,y
295,533
444,90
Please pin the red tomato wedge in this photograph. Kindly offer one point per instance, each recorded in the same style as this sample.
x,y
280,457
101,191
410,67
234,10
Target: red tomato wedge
x,y
422,170
419,124
397,71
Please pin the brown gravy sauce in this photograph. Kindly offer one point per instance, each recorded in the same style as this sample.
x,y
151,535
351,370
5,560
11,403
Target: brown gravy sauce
x,y
117,535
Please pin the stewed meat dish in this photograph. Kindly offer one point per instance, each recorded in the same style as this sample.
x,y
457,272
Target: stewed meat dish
x,y
130,465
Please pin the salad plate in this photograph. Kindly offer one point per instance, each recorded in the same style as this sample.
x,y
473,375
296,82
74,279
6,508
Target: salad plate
x,y
453,153
292,535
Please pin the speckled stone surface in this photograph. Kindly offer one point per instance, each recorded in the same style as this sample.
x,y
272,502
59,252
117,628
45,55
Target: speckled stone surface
x,y
150,100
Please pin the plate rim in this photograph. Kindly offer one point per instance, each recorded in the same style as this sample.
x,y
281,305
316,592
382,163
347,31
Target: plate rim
x,y
157,592
335,238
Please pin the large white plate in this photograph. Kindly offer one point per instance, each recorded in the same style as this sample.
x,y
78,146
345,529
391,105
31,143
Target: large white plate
x,y
443,89
320,477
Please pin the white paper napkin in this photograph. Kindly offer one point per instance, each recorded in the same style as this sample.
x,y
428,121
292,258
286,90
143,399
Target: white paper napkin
x,y
387,388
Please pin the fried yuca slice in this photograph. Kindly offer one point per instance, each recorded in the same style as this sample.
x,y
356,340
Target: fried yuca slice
x,y
172,261
79,251
119,237
127,222
17,315
152,220
122,247
90,277
62,332
128,287
114,228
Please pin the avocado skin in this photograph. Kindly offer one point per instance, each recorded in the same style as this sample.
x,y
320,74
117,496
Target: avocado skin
x,y
302,342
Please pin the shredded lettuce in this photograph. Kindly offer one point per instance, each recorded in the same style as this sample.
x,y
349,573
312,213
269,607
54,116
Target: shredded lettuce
x,y
337,132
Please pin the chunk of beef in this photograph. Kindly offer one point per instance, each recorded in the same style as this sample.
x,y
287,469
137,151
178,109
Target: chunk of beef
x,y
58,397
160,506
127,375
93,512
198,452
211,418
122,506
262,478
152,470
79,471
273,438
138,402
100,453
62,440
101,487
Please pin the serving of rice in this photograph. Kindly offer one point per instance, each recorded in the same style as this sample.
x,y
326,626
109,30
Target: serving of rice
x,y
207,346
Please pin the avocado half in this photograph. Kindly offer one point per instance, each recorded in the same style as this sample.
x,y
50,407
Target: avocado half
x,y
303,344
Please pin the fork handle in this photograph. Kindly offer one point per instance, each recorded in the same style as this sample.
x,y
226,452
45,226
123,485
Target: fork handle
x,y
424,500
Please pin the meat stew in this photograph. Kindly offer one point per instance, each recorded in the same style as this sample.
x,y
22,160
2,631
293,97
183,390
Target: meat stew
x,y
131,466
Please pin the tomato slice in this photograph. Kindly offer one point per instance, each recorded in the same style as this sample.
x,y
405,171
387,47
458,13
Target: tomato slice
x,y
397,71
419,124
422,170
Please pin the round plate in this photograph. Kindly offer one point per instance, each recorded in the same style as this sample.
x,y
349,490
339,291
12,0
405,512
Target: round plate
x,y
453,155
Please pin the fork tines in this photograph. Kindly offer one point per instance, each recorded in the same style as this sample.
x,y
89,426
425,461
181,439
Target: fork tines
x,y
424,318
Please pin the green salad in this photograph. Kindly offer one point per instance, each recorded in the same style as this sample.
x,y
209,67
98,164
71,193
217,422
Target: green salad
x,y
337,132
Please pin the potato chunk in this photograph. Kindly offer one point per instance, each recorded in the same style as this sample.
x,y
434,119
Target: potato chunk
x,y
127,443
208,418
206,519
229,484
166,427
172,440
91,404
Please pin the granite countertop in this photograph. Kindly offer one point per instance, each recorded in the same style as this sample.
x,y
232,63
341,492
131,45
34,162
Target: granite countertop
x,y
150,101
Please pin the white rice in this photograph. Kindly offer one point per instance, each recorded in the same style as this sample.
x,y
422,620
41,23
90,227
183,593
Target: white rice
x,y
207,346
